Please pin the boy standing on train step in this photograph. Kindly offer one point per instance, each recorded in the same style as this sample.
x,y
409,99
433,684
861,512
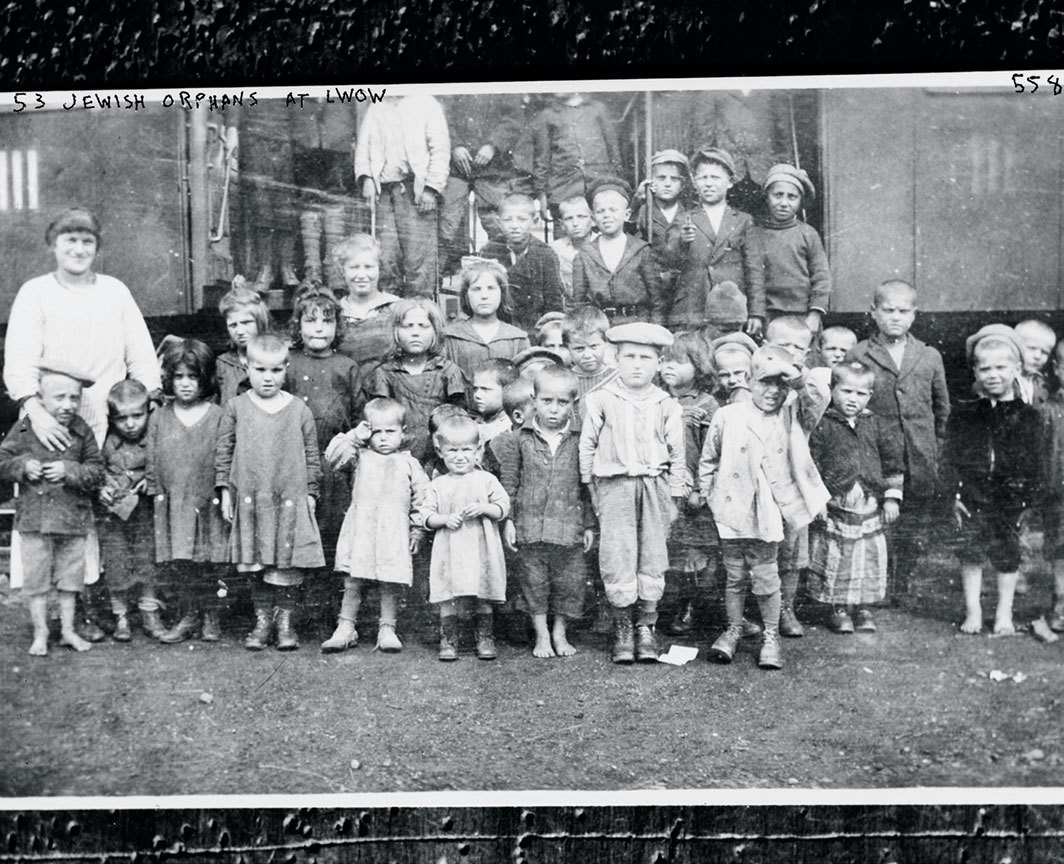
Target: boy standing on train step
x,y
910,397
713,243
618,273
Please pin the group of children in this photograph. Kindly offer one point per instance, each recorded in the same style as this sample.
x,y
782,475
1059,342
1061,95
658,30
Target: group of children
x,y
673,452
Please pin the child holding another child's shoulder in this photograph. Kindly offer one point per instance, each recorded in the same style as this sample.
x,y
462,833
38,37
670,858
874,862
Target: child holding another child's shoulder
x,y
464,507
632,456
54,513
862,467
992,456
552,522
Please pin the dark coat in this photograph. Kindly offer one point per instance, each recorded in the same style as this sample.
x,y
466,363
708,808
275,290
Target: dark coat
x,y
913,405
864,453
572,145
635,284
535,280
53,508
731,255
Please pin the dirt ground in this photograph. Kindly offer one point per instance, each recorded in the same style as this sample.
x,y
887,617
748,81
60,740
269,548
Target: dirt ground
x,y
915,704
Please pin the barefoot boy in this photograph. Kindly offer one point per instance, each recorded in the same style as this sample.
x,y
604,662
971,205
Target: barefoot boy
x,y
552,520
54,511
992,456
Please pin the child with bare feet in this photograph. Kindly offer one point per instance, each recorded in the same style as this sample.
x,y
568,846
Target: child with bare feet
x,y
552,519
992,459
54,513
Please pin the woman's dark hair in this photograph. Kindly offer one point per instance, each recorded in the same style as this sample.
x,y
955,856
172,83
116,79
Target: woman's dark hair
x,y
197,357
71,220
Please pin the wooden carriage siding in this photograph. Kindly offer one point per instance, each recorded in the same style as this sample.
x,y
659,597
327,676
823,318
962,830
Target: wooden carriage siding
x,y
993,834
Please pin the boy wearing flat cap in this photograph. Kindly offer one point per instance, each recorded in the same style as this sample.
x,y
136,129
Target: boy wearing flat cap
x,y
758,477
619,274
632,458
668,182
54,510
712,243
797,277
992,469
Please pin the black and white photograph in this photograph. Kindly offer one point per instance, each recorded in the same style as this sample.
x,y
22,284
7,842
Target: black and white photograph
x,y
624,435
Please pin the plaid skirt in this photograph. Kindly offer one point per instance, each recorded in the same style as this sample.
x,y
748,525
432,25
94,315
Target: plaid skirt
x,y
848,553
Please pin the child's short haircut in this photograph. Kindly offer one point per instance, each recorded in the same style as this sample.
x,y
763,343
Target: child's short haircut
x,y
70,220
195,356
457,429
893,286
382,407
268,343
574,201
316,298
354,245
556,375
473,271
991,342
517,395
399,311
502,370
790,323
562,325
852,370
1033,327
128,391
692,348
442,412
587,321
243,298
838,330
517,199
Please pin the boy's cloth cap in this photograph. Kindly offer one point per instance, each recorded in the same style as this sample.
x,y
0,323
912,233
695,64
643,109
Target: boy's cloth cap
x,y
640,333
725,304
998,331
770,361
733,342
537,352
668,156
715,154
613,184
62,367
548,318
784,173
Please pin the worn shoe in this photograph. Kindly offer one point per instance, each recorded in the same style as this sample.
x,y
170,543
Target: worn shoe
x,y
750,629
724,648
841,621
1056,620
486,637
259,638
122,633
864,621
646,644
770,656
448,638
181,631
152,623
790,626
683,622
90,631
387,639
212,628
287,640
344,636
623,640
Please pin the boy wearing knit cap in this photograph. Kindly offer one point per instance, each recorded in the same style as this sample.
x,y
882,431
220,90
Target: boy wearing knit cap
x,y
757,476
711,243
632,458
991,461
796,273
619,274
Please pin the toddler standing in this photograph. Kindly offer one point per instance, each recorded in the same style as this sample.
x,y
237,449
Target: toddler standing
x,y
246,316
632,456
759,480
380,533
126,523
191,536
463,507
860,466
267,471
53,515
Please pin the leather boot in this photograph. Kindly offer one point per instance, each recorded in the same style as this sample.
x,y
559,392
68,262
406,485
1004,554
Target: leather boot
x,y
287,640
789,624
344,636
646,644
770,656
623,639
259,638
448,638
122,633
683,621
212,627
723,650
181,631
152,623
486,636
